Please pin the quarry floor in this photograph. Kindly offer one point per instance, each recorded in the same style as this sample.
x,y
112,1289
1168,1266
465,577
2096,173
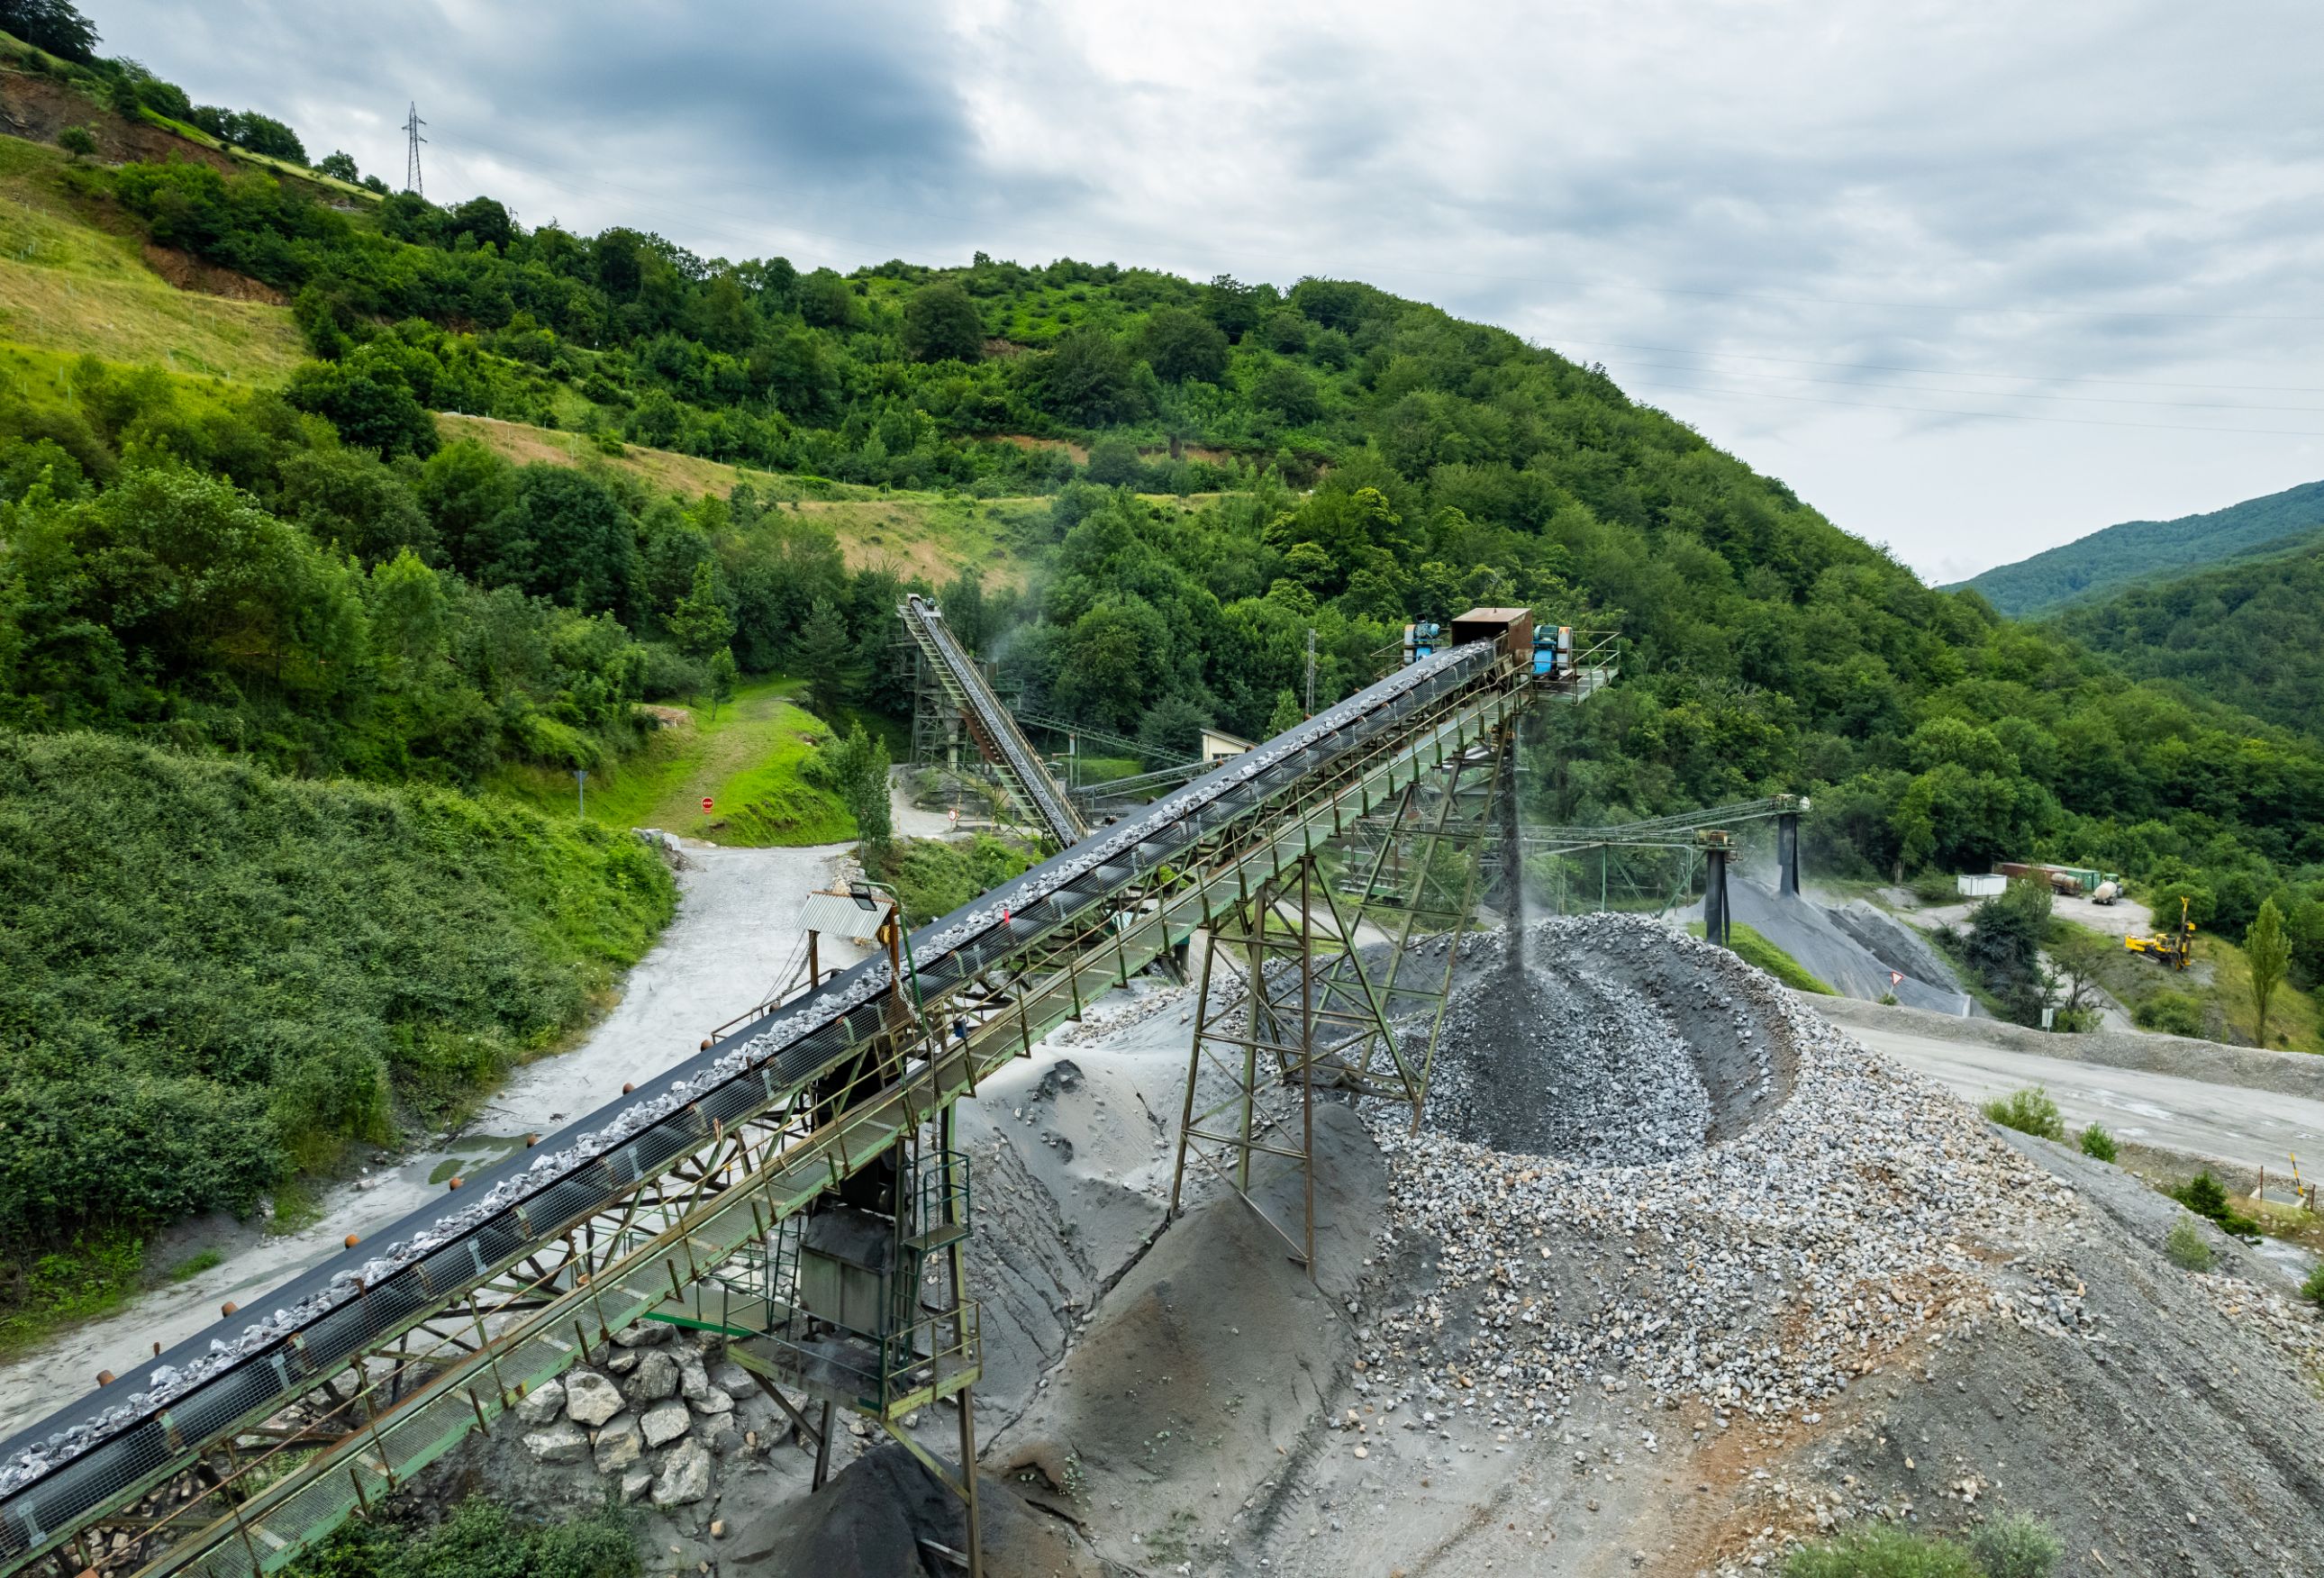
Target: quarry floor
x,y
1897,1311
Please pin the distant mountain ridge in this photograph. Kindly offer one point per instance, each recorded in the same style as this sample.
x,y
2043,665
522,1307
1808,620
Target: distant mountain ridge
x,y
2143,551
2249,634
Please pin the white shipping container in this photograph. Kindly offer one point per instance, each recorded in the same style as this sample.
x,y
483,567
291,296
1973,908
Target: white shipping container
x,y
1981,887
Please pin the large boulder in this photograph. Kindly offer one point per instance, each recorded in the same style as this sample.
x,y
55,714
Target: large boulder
x,y
590,1398
713,1400
645,1334
620,1445
541,1405
655,1378
563,1443
665,1422
685,1476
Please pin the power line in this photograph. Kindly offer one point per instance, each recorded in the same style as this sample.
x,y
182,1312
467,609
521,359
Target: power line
x,y
1950,372
1996,415
1979,394
822,201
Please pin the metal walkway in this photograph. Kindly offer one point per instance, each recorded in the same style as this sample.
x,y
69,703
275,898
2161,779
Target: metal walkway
x,y
240,1448
996,733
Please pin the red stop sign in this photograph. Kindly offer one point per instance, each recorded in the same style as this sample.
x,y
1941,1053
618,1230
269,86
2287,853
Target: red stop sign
x,y
706,802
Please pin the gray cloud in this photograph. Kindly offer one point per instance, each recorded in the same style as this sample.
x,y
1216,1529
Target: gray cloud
x,y
2119,189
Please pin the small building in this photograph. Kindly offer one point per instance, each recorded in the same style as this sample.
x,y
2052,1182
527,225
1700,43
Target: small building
x,y
1218,745
1981,886
839,915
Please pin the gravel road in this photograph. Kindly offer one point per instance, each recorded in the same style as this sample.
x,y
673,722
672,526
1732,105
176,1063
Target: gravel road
x,y
733,936
2250,1129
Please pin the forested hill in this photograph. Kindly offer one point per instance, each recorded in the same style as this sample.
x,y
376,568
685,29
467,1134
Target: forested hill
x,y
2250,634
2138,551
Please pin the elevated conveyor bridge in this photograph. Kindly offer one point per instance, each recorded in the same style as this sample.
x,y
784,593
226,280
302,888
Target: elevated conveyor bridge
x,y
230,1453
948,667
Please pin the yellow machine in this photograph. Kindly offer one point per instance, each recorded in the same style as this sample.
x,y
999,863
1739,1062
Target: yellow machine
x,y
2174,947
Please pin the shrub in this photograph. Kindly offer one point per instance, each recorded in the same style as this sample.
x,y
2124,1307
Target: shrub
x,y
218,976
77,142
2029,1111
1881,1552
1935,886
2312,1290
2186,1245
672,675
2206,1197
934,878
2096,1142
2171,1013
479,1539
2015,1547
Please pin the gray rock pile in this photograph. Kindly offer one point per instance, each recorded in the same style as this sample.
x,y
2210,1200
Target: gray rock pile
x,y
649,1415
1758,1274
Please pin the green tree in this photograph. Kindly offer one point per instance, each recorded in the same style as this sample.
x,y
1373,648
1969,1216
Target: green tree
x,y
78,142
265,134
1086,379
721,680
1287,714
367,407
352,500
2081,958
54,25
1171,730
823,656
827,301
1180,345
1288,393
1233,305
855,767
941,324
2267,950
409,615
339,166
564,537
701,626
1115,463
462,487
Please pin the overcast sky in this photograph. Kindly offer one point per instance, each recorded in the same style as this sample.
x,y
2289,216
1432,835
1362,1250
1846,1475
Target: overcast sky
x,y
1975,278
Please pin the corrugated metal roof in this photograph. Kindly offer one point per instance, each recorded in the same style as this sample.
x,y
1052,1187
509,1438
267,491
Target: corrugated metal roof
x,y
837,915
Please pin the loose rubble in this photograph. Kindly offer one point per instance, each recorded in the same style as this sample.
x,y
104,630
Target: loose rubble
x,y
1759,1276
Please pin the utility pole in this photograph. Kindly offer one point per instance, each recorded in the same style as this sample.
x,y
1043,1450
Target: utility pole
x,y
1311,671
412,124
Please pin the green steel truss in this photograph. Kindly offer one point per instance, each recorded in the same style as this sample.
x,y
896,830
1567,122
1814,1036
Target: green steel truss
x,y
246,1501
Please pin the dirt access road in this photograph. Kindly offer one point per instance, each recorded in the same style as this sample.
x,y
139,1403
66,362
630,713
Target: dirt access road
x,y
2250,1129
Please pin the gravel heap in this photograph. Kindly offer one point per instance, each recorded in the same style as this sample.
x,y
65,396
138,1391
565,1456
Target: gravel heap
x,y
2292,1328
1759,1273
1551,1065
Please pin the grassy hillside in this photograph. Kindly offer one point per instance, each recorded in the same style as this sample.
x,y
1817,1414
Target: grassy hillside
x,y
745,761
2137,551
217,977
924,535
70,287
2250,634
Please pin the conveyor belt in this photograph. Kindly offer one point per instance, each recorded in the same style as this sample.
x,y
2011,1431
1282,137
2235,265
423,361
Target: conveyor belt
x,y
996,732
1276,803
